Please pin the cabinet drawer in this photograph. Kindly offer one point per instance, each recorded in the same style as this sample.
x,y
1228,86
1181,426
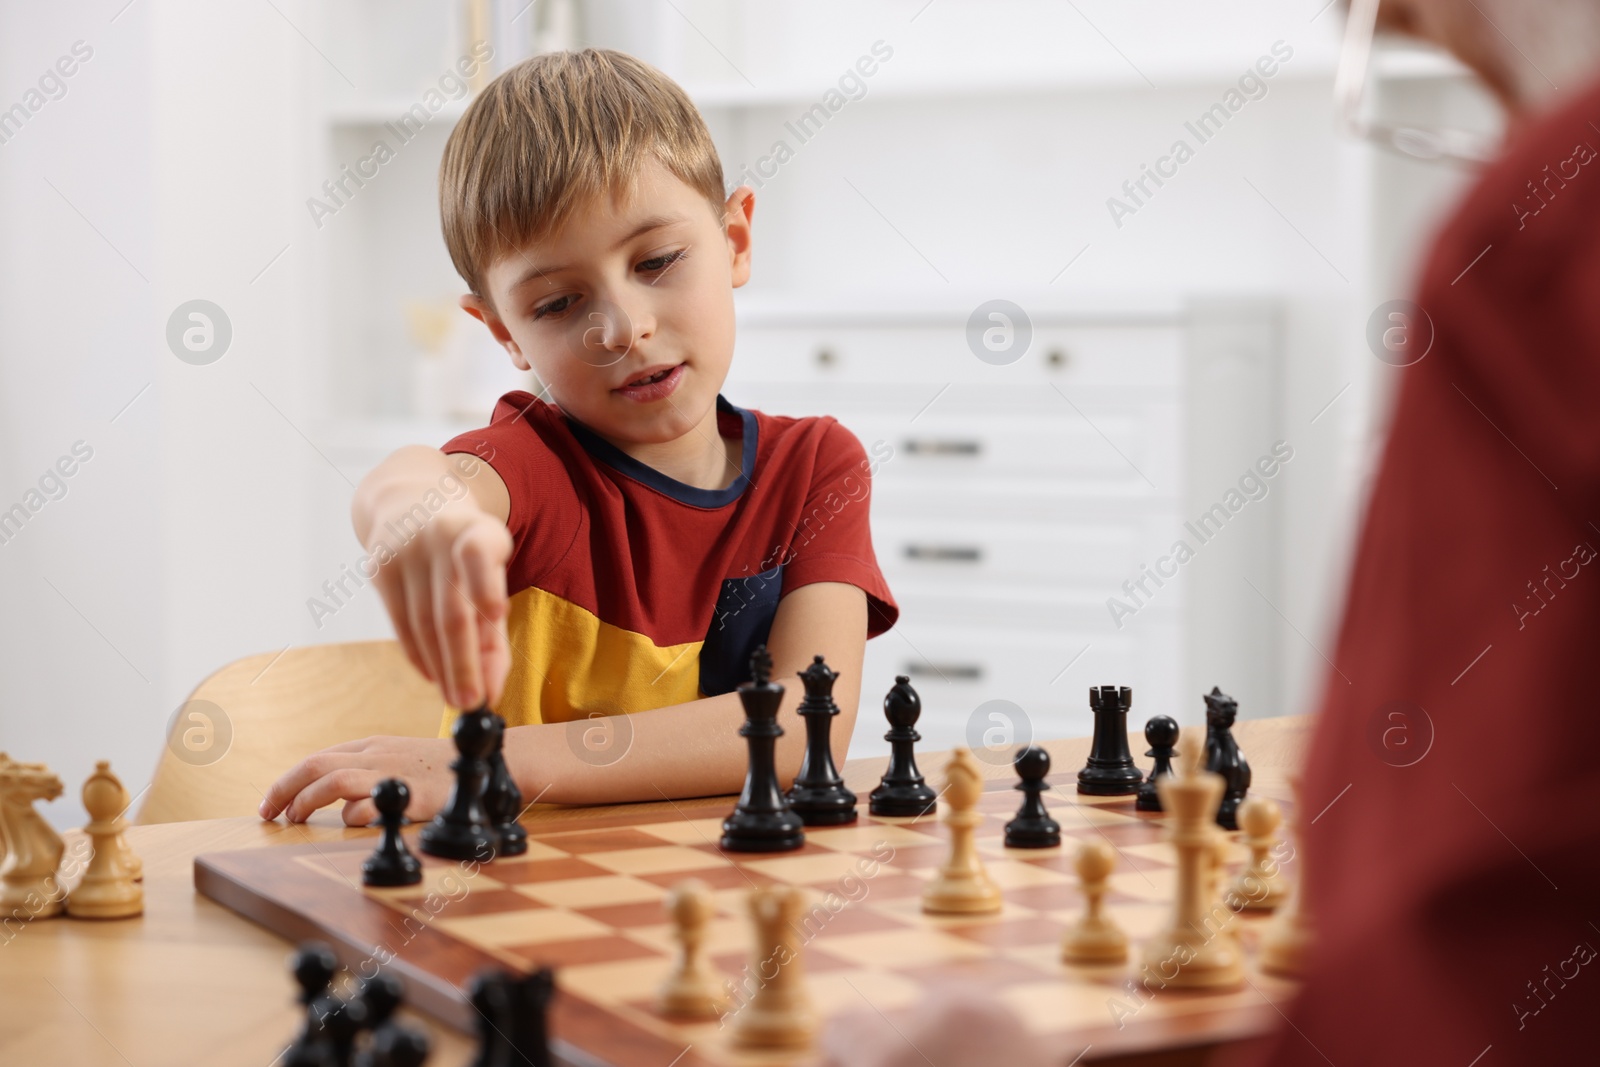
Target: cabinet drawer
x,y
1071,356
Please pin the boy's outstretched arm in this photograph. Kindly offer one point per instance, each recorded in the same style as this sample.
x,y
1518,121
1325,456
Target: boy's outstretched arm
x,y
684,750
442,569
436,524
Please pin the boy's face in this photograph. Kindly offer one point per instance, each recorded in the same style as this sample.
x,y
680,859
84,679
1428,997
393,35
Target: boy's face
x,y
626,312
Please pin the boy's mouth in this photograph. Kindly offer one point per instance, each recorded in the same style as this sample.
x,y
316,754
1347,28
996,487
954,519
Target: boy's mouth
x,y
653,383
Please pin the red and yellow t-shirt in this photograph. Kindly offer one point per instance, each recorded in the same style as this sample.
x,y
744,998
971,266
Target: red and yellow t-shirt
x,y
630,590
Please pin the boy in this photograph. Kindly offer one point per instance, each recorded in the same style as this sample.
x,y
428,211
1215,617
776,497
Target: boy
x,y
623,547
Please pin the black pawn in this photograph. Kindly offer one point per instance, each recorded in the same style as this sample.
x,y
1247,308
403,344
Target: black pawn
x,y
1110,771
1033,827
1223,756
819,795
762,820
1162,734
391,863
461,831
502,800
313,965
902,792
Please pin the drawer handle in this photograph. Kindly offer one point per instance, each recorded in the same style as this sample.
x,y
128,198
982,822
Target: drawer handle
x,y
943,448
945,553
965,671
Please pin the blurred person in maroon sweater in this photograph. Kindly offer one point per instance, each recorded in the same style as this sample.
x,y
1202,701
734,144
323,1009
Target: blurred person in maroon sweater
x,y
1454,861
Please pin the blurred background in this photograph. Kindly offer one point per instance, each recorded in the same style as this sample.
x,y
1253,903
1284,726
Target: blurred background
x,y
224,302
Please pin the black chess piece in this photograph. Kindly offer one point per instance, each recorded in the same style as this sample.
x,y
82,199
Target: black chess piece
x,y
1033,827
313,965
502,800
1223,756
1110,771
762,820
1162,734
461,831
391,863
902,792
391,1044
819,795
490,997
529,1036
395,1046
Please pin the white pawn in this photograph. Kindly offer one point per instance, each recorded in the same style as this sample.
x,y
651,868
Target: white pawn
x,y
962,886
1260,885
692,990
1286,942
1095,938
108,890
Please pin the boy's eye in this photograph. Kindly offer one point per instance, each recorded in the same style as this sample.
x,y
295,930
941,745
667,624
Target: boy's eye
x,y
554,307
660,263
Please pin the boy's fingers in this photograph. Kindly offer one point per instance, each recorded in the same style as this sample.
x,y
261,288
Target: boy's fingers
x,y
419,613
394,601
480,556
360,812
457,621
348,784
496,660
282,792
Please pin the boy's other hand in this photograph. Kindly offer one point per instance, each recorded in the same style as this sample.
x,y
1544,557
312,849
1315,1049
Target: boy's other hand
x,y
348,772
446,594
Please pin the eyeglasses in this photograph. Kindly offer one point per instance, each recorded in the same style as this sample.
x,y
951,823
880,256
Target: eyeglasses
x,y
1349,92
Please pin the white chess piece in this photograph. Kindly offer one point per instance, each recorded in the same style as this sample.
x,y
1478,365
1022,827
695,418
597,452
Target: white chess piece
x,y
1195,950
962,886
28,885
1260,886
1095,938
692,990
108,890
1287,939
780,1014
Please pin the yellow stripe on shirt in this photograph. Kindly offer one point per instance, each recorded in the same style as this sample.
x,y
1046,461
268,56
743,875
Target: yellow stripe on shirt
x,y
567,664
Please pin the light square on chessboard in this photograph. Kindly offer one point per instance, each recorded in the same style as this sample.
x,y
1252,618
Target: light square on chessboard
x,y
902,948
656,859
815,869
686,832
615,981
1008,874
550,870
531,927
1077,816
537,850
593,892
1010,933
865,837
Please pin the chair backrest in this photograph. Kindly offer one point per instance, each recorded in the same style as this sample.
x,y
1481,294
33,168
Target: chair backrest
x,y
255,718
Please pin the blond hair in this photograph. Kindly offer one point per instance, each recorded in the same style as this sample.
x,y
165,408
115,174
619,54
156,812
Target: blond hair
x,y
552,133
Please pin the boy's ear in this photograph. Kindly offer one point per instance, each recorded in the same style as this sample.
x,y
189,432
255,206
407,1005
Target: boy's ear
x,y
483,311
736,214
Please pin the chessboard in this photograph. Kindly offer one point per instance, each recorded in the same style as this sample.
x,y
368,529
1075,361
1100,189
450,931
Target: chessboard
x,y
587,900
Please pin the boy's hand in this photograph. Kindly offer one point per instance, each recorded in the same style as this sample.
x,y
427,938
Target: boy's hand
x,y
348,772
446,594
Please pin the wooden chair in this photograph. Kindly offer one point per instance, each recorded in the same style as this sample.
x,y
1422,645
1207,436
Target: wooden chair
x,y
255,718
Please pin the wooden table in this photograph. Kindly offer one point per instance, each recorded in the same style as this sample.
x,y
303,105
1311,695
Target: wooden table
x,y
192,983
